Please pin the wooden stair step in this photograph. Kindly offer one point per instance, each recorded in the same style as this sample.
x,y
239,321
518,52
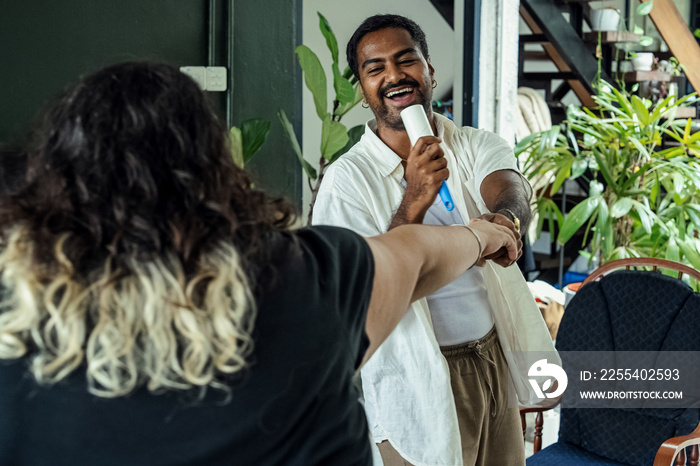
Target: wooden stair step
x,y
610,37
653,75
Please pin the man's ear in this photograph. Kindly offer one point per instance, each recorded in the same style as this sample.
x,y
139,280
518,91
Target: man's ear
x,y
430,68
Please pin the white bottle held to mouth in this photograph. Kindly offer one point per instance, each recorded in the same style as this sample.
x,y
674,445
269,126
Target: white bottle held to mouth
x,y
417,125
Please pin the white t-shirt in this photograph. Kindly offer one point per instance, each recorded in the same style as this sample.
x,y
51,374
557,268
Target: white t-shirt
x,y
460,310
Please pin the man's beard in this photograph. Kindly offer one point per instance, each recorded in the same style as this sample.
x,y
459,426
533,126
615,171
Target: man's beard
x,y
384,114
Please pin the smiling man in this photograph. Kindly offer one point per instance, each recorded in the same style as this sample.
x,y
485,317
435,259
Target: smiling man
x,y
437,390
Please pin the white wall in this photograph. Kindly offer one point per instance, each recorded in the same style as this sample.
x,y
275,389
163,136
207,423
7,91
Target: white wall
x,y
344,17
498,67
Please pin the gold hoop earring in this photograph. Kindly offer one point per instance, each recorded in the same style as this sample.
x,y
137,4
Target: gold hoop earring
x,y
365,104
434,84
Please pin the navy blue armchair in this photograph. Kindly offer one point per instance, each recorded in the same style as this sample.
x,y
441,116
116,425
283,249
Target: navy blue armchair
x,y
628,310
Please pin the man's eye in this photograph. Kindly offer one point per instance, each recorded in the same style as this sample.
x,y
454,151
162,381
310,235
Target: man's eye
x,y
374,70
408,62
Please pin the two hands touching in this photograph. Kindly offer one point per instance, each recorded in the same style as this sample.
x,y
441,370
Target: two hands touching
x,y
425,169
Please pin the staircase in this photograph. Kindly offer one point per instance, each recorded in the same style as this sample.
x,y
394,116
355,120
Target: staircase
x,y
574,53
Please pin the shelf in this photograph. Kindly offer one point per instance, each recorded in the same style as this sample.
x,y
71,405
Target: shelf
x,y
612,37
686,112
653,75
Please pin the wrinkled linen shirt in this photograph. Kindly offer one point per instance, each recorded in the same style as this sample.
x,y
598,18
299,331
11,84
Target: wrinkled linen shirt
x,y
406,383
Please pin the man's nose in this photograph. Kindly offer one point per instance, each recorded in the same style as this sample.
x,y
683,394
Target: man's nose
x,y
394,73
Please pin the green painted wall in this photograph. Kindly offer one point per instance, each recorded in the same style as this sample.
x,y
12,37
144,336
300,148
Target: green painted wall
x,y
267,77
47,44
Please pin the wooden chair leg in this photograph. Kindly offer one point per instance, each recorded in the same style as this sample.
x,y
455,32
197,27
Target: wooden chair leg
x,y
523,423
680,459
694,455
539,422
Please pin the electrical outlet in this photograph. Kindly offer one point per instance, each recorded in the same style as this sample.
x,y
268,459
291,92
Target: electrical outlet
x,y
198,73
216,78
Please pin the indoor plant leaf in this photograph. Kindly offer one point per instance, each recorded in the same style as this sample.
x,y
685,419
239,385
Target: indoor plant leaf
x,y
236,147
253,134
577,217
621,207
672,250
645,8
354,135
289,131
690,252
563,173
327,32
334,136
343,109
646,41
640,110
344,91
314,77
644,215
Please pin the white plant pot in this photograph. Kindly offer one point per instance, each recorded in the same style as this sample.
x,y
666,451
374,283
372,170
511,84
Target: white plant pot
x,y
643,61
605,19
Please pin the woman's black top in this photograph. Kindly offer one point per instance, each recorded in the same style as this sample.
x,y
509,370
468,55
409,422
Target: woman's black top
x,y
295,405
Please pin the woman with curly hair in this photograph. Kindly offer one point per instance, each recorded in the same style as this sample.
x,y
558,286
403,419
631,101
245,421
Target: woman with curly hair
x,y
156,309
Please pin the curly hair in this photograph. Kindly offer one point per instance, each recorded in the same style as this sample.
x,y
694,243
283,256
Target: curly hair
x,y
376,23
133,244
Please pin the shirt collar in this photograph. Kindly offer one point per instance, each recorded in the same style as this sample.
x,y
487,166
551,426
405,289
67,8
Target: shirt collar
x,y
386,159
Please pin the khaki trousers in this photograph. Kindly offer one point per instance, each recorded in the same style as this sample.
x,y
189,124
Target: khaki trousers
x,y
491,432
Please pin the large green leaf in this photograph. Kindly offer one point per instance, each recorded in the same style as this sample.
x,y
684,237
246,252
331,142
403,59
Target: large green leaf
x,y
343,109
640,110
690,251
621,207
645,215
604,227
645,8
672,250
334,136
291,136
314,77
327,32
354,135
577,217
344,91
563,173
646,41
604,167
253,134
236,147
579,167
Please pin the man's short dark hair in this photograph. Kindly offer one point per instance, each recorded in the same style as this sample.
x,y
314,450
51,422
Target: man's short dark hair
x,y
377,22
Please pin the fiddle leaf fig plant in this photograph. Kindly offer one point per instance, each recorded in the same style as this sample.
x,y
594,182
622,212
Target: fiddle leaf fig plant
x,y
642,168
247,140
335,137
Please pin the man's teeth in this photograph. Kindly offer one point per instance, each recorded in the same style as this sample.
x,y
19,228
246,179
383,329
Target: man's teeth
x,y
400,91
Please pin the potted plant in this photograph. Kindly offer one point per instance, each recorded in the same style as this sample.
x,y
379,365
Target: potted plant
x,y
642,61
644,200
605,19
336,139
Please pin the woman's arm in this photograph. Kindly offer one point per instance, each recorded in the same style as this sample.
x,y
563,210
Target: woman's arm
x,y
412,261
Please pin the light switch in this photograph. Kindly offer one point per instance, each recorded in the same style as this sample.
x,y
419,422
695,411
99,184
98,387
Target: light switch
x,y
216,78
198,73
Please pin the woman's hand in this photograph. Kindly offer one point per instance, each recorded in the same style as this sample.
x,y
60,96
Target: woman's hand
x,y
494,238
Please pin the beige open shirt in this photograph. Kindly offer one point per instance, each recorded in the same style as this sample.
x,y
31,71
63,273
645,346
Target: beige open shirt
x,y
406,383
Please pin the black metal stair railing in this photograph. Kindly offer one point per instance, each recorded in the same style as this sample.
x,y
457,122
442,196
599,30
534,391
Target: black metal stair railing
x,y
566,40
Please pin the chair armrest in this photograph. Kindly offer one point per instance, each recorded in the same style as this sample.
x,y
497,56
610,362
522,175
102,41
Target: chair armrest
x,y
538,408
670,448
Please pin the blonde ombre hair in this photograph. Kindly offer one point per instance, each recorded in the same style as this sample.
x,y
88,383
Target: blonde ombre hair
x,y
132,248
152,325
